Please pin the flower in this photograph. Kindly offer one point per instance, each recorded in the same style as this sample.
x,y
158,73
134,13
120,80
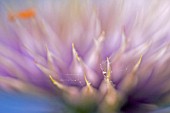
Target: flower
x,y
96,56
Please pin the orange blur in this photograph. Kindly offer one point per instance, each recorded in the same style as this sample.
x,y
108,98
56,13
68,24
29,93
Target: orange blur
x,y
26,14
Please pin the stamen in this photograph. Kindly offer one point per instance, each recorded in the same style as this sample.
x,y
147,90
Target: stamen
x,y
81,64
59,85
137,64
127,83
88,84
49,55
100,39
108,71
43,69
93,57
75,52
122,48
50,59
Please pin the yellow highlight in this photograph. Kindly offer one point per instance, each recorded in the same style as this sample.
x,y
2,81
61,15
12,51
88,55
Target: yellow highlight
x,y
137,64
87,82
75,52
78,58
108,74
56,83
